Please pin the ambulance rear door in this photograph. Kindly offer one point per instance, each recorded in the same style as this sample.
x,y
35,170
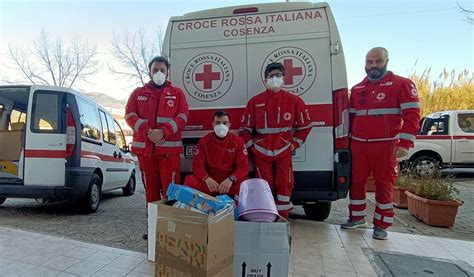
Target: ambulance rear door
x,y
45,143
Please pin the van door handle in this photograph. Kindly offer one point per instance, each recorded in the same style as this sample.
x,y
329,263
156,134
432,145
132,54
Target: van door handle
x,y
115,154
120,155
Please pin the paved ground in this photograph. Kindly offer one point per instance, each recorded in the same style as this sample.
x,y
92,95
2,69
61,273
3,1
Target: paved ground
x,y
318,249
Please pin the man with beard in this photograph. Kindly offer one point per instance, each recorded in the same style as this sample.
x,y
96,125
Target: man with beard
x,y
220,161
384,119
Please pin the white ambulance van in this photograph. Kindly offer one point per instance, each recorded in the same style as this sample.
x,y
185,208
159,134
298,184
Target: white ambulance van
x,y
219,56
57,144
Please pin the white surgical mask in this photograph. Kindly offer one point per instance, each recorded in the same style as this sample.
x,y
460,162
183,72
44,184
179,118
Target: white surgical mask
x,y
159,78
221,130
275,82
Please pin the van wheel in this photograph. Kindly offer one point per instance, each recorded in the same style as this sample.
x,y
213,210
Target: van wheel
x,y
90,203
425,167
318,211
2,200
129,189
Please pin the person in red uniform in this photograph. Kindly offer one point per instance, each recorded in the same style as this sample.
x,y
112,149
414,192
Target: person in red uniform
x,y
220,162
274,124
157,113
384,119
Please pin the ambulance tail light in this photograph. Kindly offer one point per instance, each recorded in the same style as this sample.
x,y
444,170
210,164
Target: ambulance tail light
x,y
341,118
71,134
246,10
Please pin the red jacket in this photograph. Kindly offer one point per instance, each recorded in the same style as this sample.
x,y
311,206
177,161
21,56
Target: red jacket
x,y
272,122
377,110
151,108
219,158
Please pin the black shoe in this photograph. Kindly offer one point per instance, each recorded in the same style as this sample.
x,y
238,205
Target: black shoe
x,y
145,236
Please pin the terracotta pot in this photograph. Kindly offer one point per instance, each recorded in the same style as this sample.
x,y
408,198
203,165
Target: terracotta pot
x,y
400,198
433,212
370,184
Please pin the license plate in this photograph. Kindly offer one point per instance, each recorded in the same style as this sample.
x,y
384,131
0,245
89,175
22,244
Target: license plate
x,y
189,150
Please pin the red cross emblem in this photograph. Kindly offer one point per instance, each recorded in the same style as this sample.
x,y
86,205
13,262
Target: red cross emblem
x,y
207,76
291,71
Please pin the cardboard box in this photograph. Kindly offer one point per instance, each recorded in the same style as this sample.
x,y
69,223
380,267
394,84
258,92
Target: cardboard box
x,y
10,145
261,249
193,244
152,218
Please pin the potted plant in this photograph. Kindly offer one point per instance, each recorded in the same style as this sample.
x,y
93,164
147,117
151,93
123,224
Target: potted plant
x,y
434,201
404,182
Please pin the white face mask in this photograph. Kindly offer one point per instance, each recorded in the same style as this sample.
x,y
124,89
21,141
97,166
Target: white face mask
x,y
275,82
159,78
221,130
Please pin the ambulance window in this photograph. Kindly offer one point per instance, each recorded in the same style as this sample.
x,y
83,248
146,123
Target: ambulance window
x,y
110,124
89,119
121,143
107,128
46,116
17,120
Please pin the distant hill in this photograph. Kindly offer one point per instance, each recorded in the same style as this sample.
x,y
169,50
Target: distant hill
x,y
107,101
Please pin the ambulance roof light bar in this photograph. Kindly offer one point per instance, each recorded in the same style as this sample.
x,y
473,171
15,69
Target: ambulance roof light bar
x,y
246,10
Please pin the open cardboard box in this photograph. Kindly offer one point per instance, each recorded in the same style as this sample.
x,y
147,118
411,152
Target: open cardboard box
x,y
188,243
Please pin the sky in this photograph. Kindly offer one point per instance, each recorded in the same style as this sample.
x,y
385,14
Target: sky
x,y
418,33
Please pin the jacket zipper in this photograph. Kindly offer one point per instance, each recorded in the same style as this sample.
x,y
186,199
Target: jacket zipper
x,y
278,119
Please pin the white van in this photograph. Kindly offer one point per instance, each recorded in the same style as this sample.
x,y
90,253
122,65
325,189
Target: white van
x,y
56,144
219,56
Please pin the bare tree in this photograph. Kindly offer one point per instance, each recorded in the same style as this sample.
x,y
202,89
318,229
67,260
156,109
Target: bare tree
x,y
468,13
54,63
133,52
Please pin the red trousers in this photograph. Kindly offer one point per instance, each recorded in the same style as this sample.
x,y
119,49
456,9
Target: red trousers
x,y
157,174
379,159
195,183
279,175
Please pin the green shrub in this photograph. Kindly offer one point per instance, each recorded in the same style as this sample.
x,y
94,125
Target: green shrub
x,y
436,189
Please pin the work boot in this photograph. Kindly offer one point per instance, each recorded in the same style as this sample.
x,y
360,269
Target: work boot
x,y
350,224
380,233
145,236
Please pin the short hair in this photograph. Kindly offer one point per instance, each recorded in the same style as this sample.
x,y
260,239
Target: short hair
x,y
220,113
379,48
272,66
159,59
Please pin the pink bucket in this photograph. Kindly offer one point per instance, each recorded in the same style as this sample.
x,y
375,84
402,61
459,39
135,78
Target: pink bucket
x,y
256,201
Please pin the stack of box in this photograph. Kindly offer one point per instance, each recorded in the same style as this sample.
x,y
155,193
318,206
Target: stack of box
x,y
192,244
188,243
